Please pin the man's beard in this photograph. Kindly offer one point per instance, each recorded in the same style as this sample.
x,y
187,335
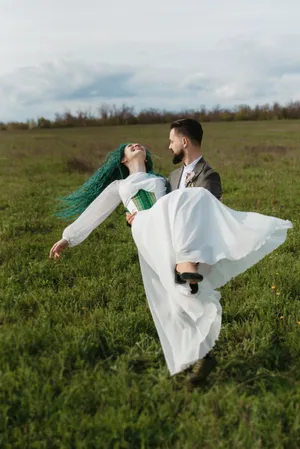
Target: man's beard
x,y
178,157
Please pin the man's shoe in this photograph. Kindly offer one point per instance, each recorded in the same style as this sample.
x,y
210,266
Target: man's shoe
x,y
201,370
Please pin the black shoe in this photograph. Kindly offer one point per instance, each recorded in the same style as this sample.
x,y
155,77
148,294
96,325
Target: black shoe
x,y
194,288
182,278
178,279
201,370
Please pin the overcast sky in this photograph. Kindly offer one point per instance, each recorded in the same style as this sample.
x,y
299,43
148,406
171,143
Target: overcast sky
x,y
168,54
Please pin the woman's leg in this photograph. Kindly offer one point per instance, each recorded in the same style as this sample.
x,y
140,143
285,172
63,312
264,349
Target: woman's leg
x,y
187,267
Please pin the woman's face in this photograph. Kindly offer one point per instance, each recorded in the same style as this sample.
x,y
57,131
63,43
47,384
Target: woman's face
x,y
134,151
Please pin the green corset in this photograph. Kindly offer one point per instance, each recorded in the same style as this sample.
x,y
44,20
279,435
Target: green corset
x,y
144,200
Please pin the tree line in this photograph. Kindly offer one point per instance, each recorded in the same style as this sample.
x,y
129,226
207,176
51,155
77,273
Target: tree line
x,y
107,115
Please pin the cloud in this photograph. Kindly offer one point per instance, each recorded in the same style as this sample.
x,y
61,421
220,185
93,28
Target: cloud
x,y
75,84
169,55
198,82
103,86
65,80
251,71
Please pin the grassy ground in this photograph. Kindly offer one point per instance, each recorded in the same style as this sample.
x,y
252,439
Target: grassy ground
x,y
80,361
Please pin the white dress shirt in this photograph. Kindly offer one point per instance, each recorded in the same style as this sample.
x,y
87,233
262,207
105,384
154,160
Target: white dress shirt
x,y
188,169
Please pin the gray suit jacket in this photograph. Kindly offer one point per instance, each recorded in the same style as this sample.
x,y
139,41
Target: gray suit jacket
x,y
204,176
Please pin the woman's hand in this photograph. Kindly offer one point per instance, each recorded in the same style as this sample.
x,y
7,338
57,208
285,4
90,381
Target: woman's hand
x,y
57,248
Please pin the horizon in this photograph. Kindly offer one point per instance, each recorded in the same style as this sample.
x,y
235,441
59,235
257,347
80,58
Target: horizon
x,y
127,115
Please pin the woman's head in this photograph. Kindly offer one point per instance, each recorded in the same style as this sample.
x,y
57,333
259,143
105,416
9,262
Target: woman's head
x,y
136,152
114,167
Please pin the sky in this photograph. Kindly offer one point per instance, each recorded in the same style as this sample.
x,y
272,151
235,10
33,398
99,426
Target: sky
x,y
164,54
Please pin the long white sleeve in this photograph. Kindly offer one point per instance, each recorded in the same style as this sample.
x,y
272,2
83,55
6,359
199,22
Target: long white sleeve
x,y
93,215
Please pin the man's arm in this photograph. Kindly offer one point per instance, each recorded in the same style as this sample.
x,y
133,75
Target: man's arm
x,y
130,218
212,182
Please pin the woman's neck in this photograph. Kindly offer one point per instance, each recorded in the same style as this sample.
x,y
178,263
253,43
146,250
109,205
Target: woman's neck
x,y
136,167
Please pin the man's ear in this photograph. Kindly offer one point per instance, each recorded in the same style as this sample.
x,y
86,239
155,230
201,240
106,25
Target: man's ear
x,y
184,141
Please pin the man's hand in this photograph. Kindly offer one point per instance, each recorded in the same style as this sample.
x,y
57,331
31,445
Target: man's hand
x,y
130,218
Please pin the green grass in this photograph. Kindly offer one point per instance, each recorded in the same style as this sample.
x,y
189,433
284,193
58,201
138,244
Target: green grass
x,y
80,361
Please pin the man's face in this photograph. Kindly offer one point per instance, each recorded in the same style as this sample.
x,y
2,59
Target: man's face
x,y
176,146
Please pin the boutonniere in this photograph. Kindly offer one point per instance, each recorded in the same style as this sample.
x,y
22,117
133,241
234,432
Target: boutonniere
x,y
189,178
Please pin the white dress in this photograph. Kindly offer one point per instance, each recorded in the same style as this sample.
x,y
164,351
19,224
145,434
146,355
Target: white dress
x,y
187,225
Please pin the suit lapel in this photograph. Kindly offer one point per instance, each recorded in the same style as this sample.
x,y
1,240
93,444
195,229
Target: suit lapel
x,y
197,170
177,178
178,174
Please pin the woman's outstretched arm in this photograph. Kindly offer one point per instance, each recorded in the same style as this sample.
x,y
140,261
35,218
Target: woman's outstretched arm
x,y
93,216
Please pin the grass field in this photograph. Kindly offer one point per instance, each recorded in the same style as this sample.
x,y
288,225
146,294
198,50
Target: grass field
x,y
80,361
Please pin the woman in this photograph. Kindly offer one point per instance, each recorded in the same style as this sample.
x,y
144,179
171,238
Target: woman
x,y
183,238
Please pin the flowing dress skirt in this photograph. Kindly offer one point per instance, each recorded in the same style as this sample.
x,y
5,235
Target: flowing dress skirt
x,y
191,225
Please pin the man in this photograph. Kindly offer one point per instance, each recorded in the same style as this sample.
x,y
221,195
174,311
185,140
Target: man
x,y
185,143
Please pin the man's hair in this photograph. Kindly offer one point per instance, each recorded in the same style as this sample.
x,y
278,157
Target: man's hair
x,y
189,128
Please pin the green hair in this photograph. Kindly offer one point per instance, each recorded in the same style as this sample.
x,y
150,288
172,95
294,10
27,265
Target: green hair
x,y
111,170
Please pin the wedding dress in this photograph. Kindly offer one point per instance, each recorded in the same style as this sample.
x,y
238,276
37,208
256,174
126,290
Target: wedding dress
x,y
187,225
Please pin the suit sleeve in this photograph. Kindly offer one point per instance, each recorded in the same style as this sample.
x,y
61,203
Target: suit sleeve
x,y
170,182
212,182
